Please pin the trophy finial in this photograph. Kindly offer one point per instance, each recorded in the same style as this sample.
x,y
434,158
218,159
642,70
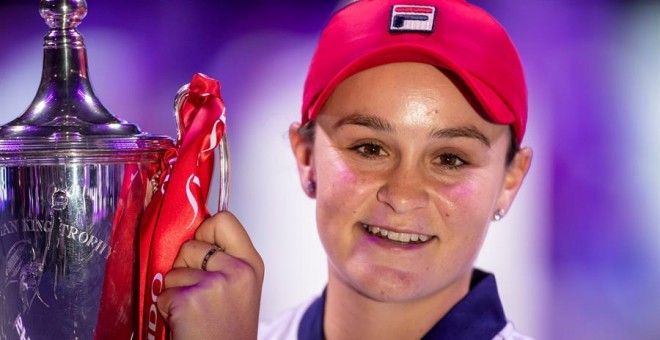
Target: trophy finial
x,y
65,106
63,14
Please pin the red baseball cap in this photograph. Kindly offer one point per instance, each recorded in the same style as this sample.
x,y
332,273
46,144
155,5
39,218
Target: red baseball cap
x,y
450,34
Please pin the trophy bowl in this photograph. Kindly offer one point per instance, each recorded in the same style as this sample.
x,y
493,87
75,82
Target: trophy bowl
x,y
74,181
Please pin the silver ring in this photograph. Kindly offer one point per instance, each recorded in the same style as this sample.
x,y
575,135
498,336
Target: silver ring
x,y
208,255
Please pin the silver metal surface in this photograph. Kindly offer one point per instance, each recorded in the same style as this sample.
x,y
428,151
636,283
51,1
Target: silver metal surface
x,y
66,168
55,240
223,171
65,106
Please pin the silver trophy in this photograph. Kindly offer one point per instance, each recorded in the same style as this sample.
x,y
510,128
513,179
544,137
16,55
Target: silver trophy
x,y
74,181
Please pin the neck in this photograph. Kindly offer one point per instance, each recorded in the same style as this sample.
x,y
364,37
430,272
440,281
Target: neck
x,y
349,314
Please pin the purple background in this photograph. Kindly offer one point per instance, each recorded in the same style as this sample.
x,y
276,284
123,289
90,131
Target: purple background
x,y
592,66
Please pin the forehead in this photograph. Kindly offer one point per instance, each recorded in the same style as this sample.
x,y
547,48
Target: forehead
x,y
406,93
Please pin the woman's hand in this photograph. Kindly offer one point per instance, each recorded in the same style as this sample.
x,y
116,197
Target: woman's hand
x,y
223,301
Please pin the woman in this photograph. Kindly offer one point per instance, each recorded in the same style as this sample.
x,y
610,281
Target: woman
x,y
413,115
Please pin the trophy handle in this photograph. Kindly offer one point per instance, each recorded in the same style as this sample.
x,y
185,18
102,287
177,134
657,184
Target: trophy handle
x,y
223,166
222,150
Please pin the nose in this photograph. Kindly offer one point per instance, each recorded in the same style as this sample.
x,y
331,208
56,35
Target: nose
x,y
404,190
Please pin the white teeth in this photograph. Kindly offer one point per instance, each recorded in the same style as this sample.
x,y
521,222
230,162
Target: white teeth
x,y
394,236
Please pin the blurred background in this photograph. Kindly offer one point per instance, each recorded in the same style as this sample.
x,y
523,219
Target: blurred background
x,y
578,256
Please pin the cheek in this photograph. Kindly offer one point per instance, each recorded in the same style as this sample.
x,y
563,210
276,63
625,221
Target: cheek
x,y
465,214
341,196
337,185
334,177
467,204
337,179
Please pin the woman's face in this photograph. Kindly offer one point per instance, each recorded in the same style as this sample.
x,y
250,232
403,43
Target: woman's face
x,y
408,176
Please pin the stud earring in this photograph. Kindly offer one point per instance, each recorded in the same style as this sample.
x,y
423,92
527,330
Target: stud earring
x,y
311,187
499,214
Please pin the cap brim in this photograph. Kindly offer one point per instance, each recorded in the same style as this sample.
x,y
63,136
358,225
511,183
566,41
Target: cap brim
x,y
495,109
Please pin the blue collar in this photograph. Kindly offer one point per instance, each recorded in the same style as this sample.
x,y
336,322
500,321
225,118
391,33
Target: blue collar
x,y
479,315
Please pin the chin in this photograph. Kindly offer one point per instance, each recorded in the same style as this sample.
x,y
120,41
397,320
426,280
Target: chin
x,y
390,285
402,285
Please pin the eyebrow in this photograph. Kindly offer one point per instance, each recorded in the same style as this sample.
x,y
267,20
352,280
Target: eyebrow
x,y
461,131
376,123
368,121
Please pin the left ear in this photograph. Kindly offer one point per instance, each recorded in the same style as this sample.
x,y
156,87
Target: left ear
x,y
513,178
302,151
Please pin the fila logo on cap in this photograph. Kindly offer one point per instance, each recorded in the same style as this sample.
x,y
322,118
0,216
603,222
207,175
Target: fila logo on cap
x,y
412,18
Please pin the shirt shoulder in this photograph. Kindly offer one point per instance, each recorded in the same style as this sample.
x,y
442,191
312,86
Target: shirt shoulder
x,y
284,326
509,332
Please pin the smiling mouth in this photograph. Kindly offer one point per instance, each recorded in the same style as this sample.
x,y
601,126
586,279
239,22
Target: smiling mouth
x,y
404,238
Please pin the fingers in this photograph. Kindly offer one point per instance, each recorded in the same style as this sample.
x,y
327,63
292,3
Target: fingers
x,y
167,299
190,283
230,269
219,306
193,253
182,277
232,279
184,282
224,230
187,300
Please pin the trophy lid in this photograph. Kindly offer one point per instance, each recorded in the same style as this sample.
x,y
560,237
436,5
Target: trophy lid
x,y
66,120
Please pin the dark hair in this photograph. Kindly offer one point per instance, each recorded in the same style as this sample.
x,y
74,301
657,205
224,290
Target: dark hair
x,y
513,147
307,132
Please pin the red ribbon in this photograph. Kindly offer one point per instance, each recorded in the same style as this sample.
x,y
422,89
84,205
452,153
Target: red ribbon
x,y
179,205
175,211
117,313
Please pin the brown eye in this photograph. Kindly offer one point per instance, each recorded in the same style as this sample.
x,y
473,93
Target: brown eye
x,y
369,150
451,161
